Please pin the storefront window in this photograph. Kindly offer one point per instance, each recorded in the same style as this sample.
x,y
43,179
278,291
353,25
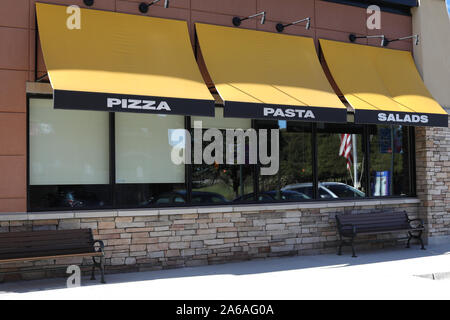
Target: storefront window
x,y
221,181
145,173
341,159
293,182
389,161
69,157
71,166
66,146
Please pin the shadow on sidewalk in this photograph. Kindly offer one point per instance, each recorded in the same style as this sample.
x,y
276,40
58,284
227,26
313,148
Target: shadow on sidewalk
x,y
257,266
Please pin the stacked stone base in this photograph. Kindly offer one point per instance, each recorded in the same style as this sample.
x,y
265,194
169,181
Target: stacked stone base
x,y
143,240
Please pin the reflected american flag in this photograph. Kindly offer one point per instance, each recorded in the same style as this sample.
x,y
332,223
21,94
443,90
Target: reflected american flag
x,y
345,149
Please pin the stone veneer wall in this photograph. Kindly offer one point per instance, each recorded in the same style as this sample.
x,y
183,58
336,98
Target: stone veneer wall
x,y
137,240
433,180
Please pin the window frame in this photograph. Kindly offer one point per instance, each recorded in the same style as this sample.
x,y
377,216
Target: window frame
x,y
188,171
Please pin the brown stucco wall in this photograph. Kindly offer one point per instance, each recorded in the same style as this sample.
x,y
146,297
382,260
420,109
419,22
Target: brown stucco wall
x,y
17,55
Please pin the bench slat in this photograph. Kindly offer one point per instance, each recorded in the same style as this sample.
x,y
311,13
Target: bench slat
x,y
378,224
45,257
37,254
36,241
371,217
50,249
29,246
24,234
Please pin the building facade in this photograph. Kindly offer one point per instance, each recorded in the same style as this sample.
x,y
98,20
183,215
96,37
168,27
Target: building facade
x,y
111,171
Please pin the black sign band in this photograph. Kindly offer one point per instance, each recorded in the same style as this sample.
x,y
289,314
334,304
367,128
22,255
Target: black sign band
x,y
284,112
131,103
401,118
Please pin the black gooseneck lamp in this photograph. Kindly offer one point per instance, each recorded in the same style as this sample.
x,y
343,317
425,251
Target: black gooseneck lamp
x,y
88,2
414,36
237,21
353,38
280,27
143,6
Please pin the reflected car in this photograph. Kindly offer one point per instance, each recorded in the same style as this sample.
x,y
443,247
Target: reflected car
x,y
342,190
175,197
272,196
307,188
327,190
75,199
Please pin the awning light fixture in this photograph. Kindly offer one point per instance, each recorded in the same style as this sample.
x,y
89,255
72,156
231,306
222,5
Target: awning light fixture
x,y
353,38
414,36
143,6
280,27
237,21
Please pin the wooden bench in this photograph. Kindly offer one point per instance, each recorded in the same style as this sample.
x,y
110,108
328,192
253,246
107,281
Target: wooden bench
x,y
351,225
52,244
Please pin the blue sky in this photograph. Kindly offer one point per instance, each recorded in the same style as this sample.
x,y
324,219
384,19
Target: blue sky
x,y
448,6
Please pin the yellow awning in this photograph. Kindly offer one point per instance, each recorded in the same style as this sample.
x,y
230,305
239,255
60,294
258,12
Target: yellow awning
x,y
382,85
121,62
268,75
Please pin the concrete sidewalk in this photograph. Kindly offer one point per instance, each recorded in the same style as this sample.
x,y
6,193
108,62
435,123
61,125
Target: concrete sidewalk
x,y
381,274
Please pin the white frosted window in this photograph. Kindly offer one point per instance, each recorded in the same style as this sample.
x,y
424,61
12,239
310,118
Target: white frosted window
x,y
67,146
220,122
144,144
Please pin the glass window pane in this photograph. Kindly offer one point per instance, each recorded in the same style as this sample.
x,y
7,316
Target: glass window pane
x,y
144,144
340,161
145,173
219,122
149,194
293,182
221,182
70,197
389,160
67,147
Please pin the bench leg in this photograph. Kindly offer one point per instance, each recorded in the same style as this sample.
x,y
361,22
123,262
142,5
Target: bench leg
x,y
102,269
93,270
421,241
101,266
353,249
340,247
409,239
418,237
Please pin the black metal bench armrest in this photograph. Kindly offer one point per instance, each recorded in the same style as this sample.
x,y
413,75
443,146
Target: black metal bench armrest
x,y
101,248
421,224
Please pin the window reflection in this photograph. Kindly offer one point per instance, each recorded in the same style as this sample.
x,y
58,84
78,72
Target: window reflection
x,y
340,161
70,197
389,160
217,183
293,182
149,194
70,161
